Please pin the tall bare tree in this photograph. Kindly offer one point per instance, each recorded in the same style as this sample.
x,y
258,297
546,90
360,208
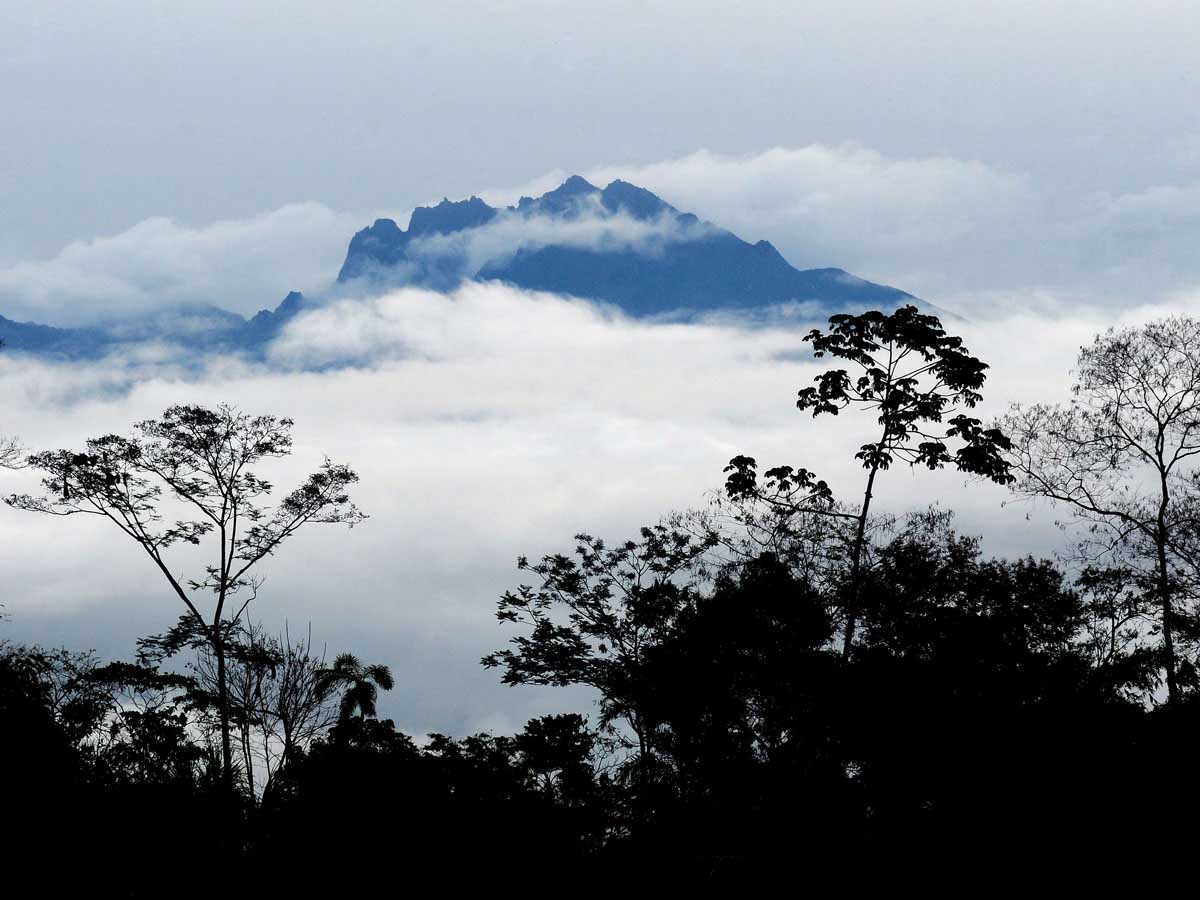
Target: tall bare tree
x,y
1121,455
279,697
197,462
12,455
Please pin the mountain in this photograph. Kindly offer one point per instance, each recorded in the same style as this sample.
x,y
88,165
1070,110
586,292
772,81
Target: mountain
x,y
45,340
680,265
208,328
621,244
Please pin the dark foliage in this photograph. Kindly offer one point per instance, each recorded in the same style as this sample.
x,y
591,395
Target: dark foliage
x,y
806,697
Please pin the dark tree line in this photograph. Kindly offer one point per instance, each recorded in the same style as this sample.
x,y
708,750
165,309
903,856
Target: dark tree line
x,y
791,688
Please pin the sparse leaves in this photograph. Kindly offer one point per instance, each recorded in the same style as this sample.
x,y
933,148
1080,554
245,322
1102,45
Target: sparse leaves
x,y
1119,455
202,461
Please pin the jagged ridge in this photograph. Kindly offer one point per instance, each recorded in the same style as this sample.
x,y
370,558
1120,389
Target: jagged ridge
x,y
712,269
699,268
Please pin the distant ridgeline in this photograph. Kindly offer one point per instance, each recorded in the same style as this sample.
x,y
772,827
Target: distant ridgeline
x,y
198,328
622,245
651,259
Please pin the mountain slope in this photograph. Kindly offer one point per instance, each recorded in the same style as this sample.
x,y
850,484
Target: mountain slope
x,y
45,340
621,244
679,264
207,328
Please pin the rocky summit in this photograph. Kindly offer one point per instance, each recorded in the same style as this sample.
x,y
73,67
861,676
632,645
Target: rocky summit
x,y
620,244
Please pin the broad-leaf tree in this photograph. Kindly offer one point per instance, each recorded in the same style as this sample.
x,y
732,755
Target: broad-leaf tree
x,y
916,379
187,478
593,616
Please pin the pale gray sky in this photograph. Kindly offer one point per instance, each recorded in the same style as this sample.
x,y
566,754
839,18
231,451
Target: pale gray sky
x,y
115,112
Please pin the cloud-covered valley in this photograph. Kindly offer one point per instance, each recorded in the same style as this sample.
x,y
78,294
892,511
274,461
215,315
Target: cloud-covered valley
x,y
489,422
485,424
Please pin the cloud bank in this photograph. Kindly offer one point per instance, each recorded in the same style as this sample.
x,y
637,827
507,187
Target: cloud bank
x,y
847,205
590,227
961,233
485,424
240,265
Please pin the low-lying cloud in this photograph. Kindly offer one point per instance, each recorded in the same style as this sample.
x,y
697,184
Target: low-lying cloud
x,y
590,227
240,265
485,424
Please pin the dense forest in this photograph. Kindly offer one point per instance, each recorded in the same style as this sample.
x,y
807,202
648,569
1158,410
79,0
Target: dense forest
x,y
791,683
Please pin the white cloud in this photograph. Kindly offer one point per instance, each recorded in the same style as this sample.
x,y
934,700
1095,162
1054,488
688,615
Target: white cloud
x,y
592,227
485,424
848,206
241,265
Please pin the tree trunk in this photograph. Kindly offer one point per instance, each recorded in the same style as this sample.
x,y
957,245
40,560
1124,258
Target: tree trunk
x,y
1164,593
856,565
223,707
1164,582
247,756
643,798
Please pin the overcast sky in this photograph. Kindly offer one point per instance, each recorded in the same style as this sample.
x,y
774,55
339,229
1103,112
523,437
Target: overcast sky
x,y
118,112
1033,165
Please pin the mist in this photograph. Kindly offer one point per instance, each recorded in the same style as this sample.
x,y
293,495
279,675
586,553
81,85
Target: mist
x,y
485,424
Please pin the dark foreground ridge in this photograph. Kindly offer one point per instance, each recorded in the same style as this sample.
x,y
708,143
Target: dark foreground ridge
x,y
790,689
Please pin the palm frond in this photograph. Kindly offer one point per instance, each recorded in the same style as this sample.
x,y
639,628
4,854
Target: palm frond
x,y
382,676
366,699
347,705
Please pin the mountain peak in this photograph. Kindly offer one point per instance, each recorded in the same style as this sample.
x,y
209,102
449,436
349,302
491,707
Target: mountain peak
x,y
564,200
576,184
675,267
666,265
449,216
621,196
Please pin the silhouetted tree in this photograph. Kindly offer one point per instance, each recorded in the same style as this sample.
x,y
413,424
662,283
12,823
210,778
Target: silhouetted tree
x,y
39,759
745,696
593,617
556,751
1120,456
202,460
976,719
360,685
12,454
294,703
111,766
914,376
279,697
1120,608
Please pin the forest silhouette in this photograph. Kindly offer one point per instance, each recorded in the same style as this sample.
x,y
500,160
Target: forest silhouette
x,y
790,684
